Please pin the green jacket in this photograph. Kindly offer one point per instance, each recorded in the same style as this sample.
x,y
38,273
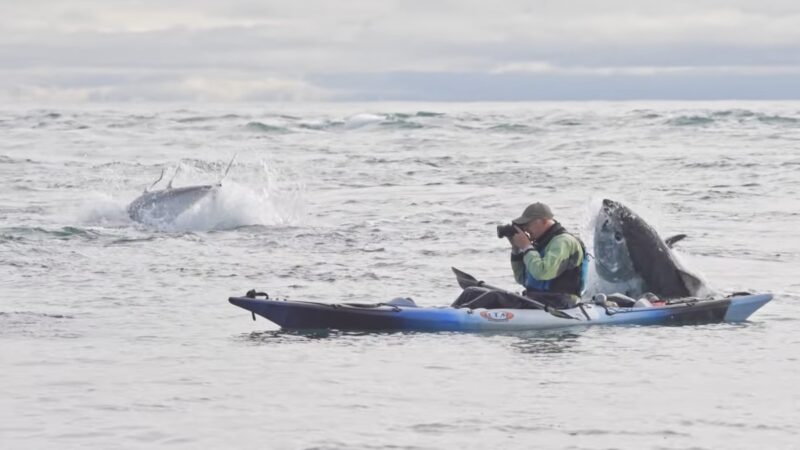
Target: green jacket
x,y
562,253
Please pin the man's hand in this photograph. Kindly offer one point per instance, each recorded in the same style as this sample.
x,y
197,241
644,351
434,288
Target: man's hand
x,y
520,239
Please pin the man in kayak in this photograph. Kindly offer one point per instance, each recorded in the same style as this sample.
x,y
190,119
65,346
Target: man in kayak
x,y
545,258
549,263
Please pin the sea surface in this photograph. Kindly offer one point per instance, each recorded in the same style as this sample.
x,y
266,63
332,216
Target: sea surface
x,y
117,334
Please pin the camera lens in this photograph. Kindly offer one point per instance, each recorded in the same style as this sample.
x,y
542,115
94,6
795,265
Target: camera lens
x,y
506,230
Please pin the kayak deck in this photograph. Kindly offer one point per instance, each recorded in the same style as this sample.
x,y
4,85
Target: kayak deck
x,y
390,317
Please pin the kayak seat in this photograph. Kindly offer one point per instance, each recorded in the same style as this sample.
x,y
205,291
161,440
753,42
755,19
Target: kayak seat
x,y
621,300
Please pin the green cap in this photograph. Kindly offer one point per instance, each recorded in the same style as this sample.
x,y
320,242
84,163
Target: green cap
x,y
534,211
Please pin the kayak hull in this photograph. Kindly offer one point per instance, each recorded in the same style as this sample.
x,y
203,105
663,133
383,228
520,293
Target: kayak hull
x,y
300,315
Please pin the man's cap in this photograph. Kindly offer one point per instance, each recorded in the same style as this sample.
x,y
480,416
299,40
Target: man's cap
x,y
534,211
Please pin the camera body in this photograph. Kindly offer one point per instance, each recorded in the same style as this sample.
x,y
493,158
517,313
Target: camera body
x,y
506,231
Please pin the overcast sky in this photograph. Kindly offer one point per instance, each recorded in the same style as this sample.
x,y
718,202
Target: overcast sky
x,y
312,50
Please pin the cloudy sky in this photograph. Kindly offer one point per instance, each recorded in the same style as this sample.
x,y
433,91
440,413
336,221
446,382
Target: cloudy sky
x,y
317,50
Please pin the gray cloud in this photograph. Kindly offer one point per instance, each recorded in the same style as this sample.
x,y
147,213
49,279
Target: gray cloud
x,y
89,50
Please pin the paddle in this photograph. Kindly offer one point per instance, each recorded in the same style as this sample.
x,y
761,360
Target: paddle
x,y
466,280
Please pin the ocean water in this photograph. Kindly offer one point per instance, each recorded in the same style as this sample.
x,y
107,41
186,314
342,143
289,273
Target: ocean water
x,y
116,334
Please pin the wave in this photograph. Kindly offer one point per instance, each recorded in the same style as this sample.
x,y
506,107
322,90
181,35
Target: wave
x,y
783,256
778,120
429,114
416,114
261,127
568,122
32,324
362,120
515,128
745,114
271,123
368,121
726,163
32,315
395,120
198,119
19,234
320,125
403,124
708,164
645,114
124,241
689,121
738,115
44,115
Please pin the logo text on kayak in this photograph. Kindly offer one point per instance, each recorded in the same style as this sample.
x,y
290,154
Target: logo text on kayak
x,y
497,316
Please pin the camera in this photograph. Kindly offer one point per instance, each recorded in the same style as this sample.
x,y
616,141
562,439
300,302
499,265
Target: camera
x,y
506,231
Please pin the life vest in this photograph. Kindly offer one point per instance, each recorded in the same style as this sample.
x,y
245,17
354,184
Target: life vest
x,y
572,281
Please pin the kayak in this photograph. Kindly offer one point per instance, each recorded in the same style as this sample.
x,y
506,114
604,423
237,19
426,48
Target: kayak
x,y
404,315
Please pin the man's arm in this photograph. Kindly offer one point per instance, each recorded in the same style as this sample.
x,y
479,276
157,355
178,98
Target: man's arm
x,y
555,261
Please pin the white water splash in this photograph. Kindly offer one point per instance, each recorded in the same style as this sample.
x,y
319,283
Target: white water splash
x,y
236,205
263,194
101,209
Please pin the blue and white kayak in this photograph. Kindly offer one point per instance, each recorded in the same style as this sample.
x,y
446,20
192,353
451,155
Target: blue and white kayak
x,y
404,315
